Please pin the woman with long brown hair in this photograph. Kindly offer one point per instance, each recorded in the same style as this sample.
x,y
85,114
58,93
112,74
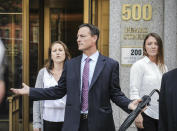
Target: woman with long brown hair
x,y
48,115
145,75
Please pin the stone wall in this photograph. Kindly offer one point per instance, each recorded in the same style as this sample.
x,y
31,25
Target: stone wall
x,y
163,22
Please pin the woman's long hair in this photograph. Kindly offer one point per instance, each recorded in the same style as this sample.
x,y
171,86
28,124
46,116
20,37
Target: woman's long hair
x,y
160,54
50,64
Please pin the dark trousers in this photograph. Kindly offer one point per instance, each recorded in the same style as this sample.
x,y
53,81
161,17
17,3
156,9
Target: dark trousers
x,y
83,125
149,123
52,126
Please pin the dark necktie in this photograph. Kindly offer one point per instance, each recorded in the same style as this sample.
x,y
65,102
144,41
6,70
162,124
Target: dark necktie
x,y
85,86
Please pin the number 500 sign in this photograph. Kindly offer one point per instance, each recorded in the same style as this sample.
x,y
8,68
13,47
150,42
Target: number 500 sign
x,y
136,12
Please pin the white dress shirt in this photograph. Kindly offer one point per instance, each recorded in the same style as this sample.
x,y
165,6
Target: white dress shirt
x,y
92,64
144,77
54,110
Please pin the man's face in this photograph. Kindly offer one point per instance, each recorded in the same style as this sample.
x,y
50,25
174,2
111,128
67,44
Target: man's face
x,y
85,41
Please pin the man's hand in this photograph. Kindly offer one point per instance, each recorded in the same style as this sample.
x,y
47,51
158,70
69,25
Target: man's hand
x,y
134,104
139,121
37,129
23,91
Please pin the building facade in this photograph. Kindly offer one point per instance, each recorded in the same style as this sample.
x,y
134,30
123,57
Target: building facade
x,y
130,21
28,27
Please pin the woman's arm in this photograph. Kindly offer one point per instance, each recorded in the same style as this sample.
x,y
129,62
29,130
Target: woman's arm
x,y
37,122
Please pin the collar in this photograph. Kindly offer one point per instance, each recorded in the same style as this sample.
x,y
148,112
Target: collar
x,y
146,59
93,57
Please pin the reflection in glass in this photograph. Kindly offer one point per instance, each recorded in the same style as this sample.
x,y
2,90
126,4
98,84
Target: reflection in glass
x,y
11,35
34,28
34,42
11,6
64,25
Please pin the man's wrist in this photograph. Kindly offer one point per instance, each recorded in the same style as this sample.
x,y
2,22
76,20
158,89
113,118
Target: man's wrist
x,y
129,105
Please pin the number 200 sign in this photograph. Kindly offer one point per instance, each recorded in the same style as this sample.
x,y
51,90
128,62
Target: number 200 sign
x,y
130,55
136,12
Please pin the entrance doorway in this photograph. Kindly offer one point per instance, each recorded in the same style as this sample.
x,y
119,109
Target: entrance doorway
x,y
51,20
61,21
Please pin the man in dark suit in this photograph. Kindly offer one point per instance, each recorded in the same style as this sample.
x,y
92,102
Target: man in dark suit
x,y
168,102
90,81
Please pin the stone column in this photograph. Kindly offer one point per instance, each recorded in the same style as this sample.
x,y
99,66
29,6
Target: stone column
x,y
163,22
170,33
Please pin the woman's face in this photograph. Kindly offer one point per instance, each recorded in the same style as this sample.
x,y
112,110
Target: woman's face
x,y
58,53
151,46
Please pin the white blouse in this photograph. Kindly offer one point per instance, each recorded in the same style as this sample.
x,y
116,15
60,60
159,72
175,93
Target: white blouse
x,y
144,77
54,110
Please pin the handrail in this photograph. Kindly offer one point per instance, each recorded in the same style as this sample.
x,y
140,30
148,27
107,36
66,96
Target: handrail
x,y
14,112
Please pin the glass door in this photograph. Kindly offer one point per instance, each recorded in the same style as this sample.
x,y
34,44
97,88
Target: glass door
x,y
11,36
61,21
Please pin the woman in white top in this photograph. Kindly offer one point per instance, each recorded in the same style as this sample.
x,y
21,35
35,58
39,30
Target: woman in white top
x,y
145,75
48,115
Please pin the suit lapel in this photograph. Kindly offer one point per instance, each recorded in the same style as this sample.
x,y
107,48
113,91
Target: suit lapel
x,y
99,67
